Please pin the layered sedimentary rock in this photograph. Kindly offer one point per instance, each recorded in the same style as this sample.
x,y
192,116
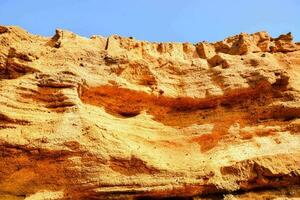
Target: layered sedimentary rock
x,y
117,118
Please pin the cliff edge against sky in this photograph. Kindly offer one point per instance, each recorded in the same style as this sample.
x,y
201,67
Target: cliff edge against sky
x,y
117,118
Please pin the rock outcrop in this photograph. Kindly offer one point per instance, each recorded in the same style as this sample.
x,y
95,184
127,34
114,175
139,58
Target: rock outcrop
x,y
117,118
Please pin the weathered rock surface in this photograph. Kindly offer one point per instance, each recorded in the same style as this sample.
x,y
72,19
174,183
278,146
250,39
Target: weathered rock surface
x,y
109,118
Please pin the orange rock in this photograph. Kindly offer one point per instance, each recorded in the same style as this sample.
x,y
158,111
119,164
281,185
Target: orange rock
x,y
120,118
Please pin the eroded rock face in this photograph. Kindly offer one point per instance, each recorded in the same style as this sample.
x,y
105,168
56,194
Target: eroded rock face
x,y
119,118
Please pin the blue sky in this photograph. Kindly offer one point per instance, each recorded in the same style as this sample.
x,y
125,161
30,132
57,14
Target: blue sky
x,y
155,20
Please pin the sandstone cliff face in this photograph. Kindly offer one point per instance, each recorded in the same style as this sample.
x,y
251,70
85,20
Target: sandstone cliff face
x,y
117,118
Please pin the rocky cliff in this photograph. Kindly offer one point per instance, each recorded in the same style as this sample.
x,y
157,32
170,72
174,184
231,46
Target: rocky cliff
x,y
118,118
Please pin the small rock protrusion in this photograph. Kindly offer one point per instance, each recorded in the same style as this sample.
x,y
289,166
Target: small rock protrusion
x,y
218,60
60,35
57,38
205,50
3,29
